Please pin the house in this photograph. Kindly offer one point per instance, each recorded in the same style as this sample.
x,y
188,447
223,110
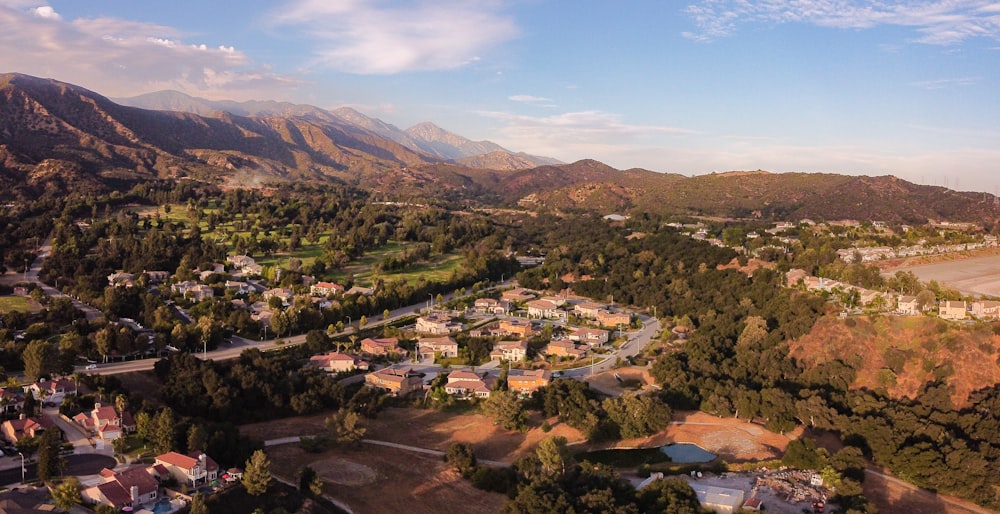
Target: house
x,y
468,384
199,292
238,288
14,430
794,275
565,348
325,289
130,488
952,310
11,399
194,468
907,305
986,309
544,309
588,310
718,499
398,381
510,351
437,323
518,294
591,336
491,306
53,391
243,263
613,319
121,279
516,327
428,347
105,422
157,277
359,290
282,293
528,381
335,362
381,346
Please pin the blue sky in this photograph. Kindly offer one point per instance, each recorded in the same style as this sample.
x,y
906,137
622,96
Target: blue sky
x,y
908,88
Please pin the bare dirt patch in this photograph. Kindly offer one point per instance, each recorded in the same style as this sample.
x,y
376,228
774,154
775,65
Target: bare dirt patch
x,y
892,496
607,383
393,480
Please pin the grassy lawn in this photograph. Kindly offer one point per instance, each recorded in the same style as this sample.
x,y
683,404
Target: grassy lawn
x,y
438,269
17,303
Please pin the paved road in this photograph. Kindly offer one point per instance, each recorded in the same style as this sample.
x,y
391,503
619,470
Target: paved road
x,y
32,277
76,465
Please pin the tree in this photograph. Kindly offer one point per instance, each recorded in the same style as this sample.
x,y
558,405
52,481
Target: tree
x,y
163,430
39,360
310,481
346,426
925,299
50,463
461,456
554,455
67,494
144,425
363,321
257,473
197,438
198,505
506,410
637,416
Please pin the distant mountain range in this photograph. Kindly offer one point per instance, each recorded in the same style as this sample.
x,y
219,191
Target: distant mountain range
x,y
57,137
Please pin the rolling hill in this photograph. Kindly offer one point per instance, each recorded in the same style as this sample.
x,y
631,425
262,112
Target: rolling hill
x,y
56,137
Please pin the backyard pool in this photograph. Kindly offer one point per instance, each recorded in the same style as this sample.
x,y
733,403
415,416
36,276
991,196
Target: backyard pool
x,y
687,453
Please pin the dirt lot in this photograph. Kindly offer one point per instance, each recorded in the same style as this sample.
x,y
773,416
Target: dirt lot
x,y
374,479
972,273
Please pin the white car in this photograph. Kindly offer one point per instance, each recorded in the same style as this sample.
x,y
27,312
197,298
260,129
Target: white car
x,y
91,366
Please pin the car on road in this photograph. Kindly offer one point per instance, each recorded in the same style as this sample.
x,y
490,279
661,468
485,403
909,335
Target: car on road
x,y
91,366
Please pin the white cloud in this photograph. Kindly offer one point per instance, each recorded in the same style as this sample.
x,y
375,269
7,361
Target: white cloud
x,y
117,57
941,22
387,37
945,83
528,99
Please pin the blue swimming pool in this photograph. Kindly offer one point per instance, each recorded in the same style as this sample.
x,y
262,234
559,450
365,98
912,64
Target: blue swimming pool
x,y
163,507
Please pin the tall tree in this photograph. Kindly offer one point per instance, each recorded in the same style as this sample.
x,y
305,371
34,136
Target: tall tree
x,y
506,409
554,455
67,494
39,360
198,505
346,426
197,438
257,473
50,463
163,430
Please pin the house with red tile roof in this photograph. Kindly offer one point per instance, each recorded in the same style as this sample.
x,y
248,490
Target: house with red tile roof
x,y
194,468
429,347
565,348
105,422
14,430
133,488
336,362
381,346
466,384
398,381
510,351
527,381
52,390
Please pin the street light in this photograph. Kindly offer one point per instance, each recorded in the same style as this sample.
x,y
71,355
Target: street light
x,y
23,469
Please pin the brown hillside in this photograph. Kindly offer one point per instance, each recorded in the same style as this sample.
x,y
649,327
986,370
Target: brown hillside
x,y
901,354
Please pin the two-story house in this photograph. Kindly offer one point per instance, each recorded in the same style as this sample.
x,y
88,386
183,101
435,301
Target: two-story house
x,y
437,323
193,469
467,384
335,362
128,489
429,347
381,346
51,391
398,381
326,289
952,310
510,351
528,381
14,430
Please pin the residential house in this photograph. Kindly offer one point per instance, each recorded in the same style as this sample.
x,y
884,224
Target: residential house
x,y
282,293
238,288
793,276
520,328
588,310
518,294
398,381
192,469
52,391
157,277
953,310
128,489
467,384
381,346
199,292
359,290
437,323
105,422
544,309
510,351
613,319
986,309
565,348
591,336
14,430
491,306
121,279
428,347
335,362
528,381
11,399
907,305
325,289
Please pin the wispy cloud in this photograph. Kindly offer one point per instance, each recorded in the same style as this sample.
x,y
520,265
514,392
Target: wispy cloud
x,y
940,22
388,36
122,58
945,83
528,99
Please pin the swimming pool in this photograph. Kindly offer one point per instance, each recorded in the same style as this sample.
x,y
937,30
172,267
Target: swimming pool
x,y
687,452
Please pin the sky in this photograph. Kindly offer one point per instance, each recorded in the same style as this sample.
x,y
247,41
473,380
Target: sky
x,y
906,88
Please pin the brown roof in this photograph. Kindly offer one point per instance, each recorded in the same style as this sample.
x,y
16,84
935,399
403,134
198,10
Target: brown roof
x,y
177,459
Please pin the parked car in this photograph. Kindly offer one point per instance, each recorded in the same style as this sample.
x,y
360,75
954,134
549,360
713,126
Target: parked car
x,y
91,366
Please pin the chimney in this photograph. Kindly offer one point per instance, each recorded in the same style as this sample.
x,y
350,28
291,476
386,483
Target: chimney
x,y
134,492
21,416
